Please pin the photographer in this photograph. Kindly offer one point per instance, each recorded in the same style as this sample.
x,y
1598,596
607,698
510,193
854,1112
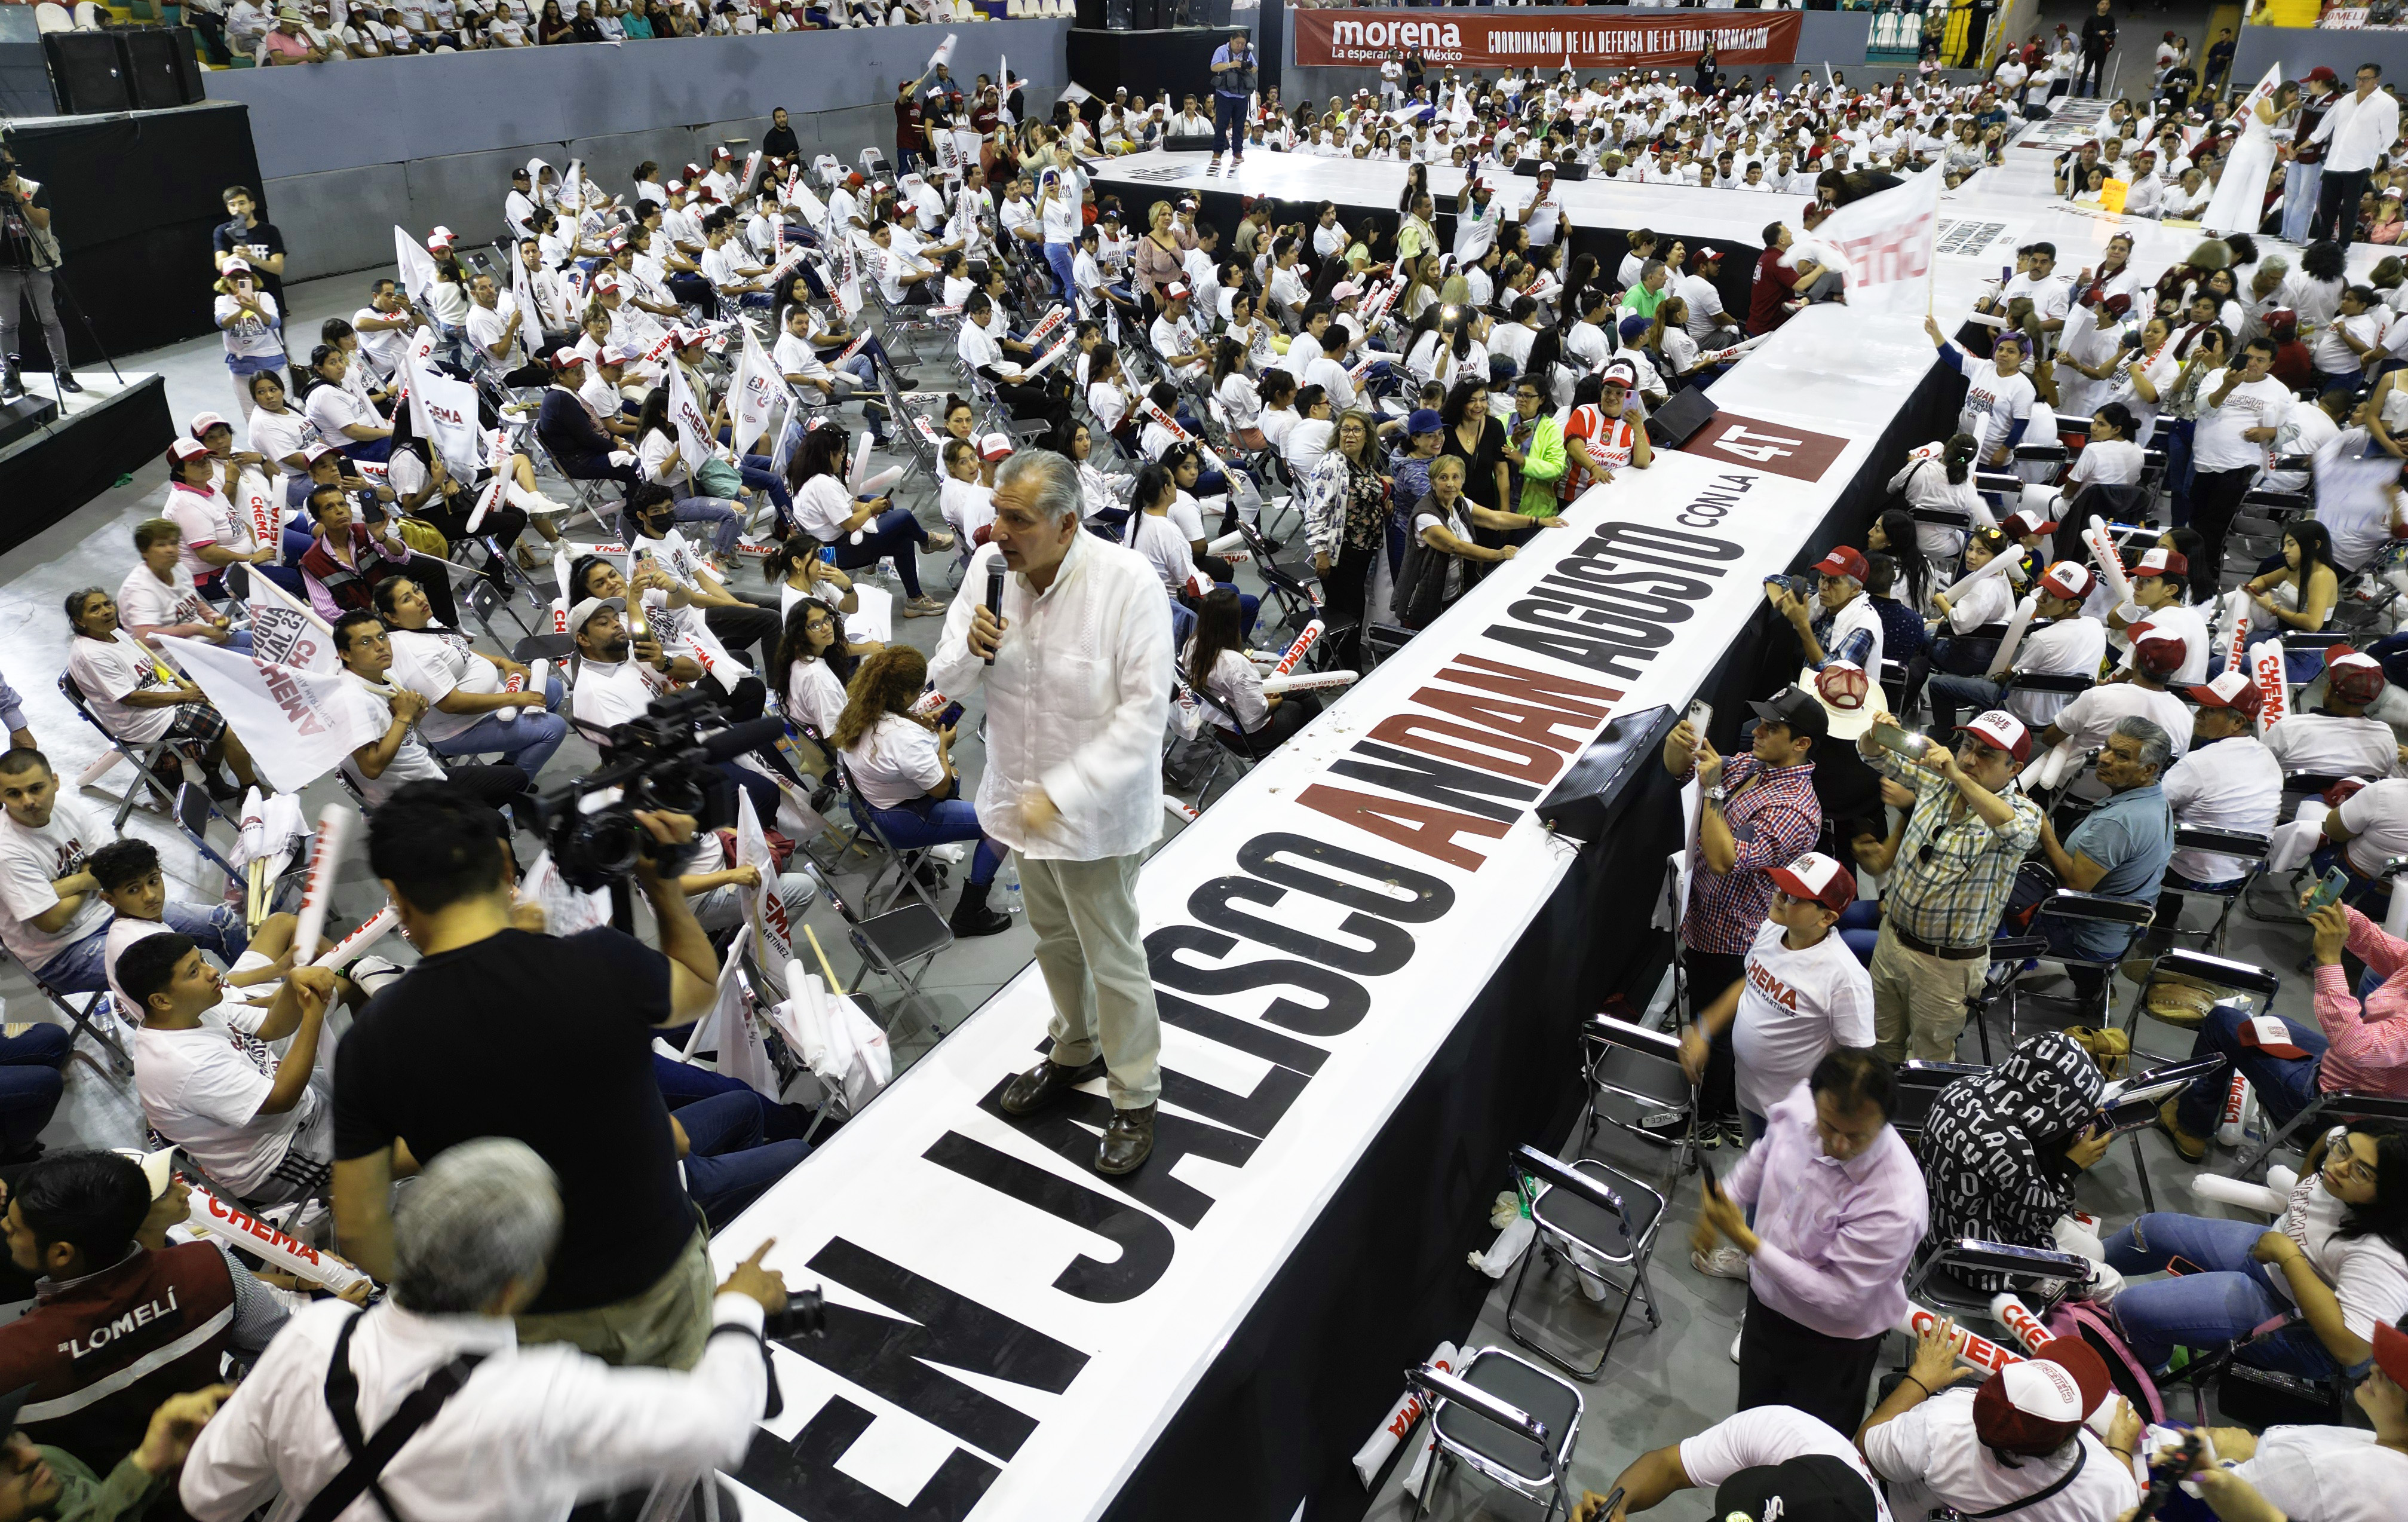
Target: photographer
x,y
29,252
501,1033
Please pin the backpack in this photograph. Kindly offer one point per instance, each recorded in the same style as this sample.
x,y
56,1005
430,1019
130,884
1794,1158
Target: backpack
x,y
2091,1321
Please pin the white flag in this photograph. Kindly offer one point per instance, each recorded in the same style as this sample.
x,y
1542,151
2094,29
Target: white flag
x,y
772,938
1883,245
692,423
286,636
417,267
443,409
297,723
754,392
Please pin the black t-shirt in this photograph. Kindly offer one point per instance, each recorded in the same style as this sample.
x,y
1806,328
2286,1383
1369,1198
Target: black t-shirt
x,y
549,1041
254,243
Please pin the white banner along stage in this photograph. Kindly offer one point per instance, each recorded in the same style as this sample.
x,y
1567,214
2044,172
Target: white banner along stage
x,y
1311,950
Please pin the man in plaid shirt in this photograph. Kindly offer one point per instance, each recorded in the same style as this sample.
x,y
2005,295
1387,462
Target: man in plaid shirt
x,y
1759,812
1967,834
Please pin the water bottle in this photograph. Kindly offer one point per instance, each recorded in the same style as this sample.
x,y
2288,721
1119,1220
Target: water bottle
x,y
1008,877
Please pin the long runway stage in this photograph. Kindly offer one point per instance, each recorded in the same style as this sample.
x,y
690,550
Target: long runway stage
x,y
1372,961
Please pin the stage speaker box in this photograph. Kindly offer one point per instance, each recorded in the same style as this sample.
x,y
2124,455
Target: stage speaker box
x,y
1117,15
1196,144
1593,792
149,62
187,64
89,73
1685,414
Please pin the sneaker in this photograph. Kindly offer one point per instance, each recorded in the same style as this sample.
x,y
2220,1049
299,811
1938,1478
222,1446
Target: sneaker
x,y
1735,1341
1725,1262
1732,1134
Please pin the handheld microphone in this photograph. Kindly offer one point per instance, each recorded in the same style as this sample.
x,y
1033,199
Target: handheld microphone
x,y
995,593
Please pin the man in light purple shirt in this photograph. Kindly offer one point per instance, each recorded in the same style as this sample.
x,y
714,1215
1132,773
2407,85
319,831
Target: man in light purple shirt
x,y
1840,1207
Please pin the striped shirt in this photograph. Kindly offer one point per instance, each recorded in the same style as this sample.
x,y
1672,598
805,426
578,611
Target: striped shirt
x,y
1773,821
1954,872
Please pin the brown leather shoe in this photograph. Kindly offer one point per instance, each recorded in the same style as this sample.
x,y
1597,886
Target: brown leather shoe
x,y
1127,1142
2189,1148
1045,1085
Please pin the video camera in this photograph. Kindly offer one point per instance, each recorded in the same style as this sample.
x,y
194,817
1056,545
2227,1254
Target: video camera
x,y
664,762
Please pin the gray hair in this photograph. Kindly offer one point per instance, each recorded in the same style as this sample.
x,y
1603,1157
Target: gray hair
x,y
1058,494
2157,746
482,1214
2275,263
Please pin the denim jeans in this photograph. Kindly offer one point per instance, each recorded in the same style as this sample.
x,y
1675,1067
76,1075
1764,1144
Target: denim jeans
x,y
728,1162
1059,256
2285,1086
2300,186
718,512
936,821
758,476
80,968
30,1085
1950,694
2222,1298
524,738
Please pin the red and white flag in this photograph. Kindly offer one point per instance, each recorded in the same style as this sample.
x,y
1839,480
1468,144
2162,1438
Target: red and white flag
x,y
297,723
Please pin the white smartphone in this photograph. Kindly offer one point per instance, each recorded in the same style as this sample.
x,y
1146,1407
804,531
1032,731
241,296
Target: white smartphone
x,y
1700,715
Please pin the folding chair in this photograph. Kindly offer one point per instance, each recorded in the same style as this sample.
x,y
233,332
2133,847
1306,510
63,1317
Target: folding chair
x,y
1636,1082
2240,844
82,1018
907,862
143,758
1919,1085
193,812
2047,1275
1506,1419
2072,906
1587,1212
890,943
2225,981
2130,1105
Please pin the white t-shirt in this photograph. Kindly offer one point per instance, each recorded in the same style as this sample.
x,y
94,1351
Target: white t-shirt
x,y
1793,1006
967,505
1933,1457
2234,784
33,859
2065,647
106,671
202,1092
2366,1274
814,698
2377,817
412,761
1166,548
2216,443
2183,622
281,435
254,335
2322,745
895,761
144,601
2326,1474
332,408
1237,685
609,694
434,663
205,518
1993,403
821,506
2110,461
1770,1435
2089,719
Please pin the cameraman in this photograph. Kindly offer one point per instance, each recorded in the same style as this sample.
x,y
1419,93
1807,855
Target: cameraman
x,y
29,250
498,1031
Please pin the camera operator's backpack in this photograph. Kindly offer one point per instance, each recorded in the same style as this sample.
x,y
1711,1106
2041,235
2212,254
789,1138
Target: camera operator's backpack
x,y
2089,1321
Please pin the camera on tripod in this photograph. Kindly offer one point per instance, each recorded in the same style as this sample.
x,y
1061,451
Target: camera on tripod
x,y
662,762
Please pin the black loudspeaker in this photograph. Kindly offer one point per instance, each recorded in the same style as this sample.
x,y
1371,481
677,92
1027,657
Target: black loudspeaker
x,y
1591,795
1116,15
89,73
187,64
1196,144
1146,15
1685,414
149,60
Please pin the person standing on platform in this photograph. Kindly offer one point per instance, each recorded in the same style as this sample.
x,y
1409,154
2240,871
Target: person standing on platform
x,y
1839,1208
1233,86
2358,130
1077,671
2305,174
2098,41
1759,811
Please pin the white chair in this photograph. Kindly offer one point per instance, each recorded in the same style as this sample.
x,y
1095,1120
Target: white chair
x,y
51,17
89,17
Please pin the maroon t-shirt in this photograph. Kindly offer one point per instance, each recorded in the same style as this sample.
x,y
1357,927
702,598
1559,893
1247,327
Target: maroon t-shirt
x,y
908,137
1772,286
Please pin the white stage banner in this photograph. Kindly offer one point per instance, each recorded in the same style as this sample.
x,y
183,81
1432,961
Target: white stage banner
x,y
297,725
1008,1333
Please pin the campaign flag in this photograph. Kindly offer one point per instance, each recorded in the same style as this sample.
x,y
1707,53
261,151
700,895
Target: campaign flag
x,y
288,636
417,265
297,723
443,408
754,392
1883,245
772,936
693,430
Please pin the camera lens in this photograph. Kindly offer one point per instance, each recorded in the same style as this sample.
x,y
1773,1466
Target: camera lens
x,y
596,850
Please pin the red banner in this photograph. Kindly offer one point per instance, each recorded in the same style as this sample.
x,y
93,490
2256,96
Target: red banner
x,y
1518,38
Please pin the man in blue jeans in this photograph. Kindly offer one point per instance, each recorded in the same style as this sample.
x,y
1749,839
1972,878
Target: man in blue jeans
x,y
52,919
1233,86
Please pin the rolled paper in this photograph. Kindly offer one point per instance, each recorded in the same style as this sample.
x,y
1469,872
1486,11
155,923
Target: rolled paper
x,y
2273,681
880,481
2220,1190
1398,1421
2110,563
336,823
371,930
1978,1351
2061,761
2012,640
2013,1314
1507,1249
2282,1180
1181,809
559,615
859,474
1234,539
102,767
1309,681
217,1218
1296,651
538,683
2395,917
1998,566
2236,1097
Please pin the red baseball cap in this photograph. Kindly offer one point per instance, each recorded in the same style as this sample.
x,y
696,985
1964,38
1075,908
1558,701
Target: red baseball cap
x,y
2069,580
2351,676
2160,563
2233,690
2001,731
2037,1405
2391,1352
1818,878
2026,521
2159,654
1845,561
